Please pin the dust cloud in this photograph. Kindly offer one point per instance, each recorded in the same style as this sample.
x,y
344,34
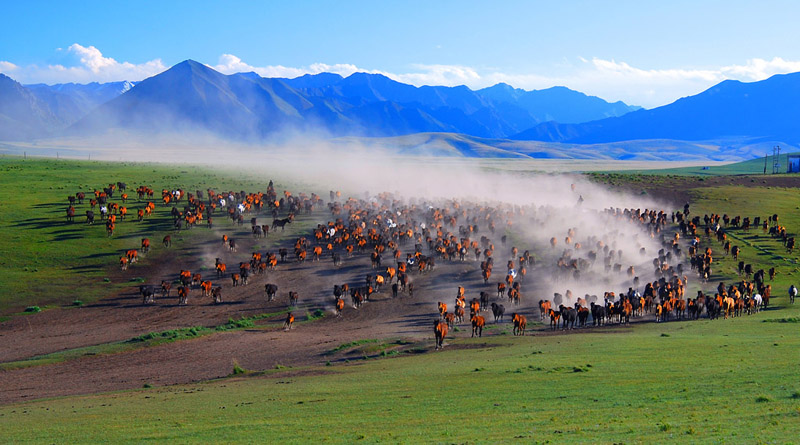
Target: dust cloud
x,y
582,241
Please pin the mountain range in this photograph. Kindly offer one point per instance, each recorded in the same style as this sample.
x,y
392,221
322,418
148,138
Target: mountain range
x,y
731,109
247,106
729,120
34,111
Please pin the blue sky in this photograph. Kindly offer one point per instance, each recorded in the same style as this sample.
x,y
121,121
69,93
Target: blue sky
x,y
645,53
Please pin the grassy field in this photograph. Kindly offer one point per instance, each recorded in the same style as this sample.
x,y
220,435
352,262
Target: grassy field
x,y
45,261
731,381
751,167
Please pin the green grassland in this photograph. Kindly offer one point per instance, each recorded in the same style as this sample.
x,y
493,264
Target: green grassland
x,y
46,261
732,381
751,167
729,381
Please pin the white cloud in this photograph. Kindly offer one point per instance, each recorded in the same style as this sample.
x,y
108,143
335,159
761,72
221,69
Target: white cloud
x,y
653,87
7,67
230,64
89,66
760,69
609,79
449,75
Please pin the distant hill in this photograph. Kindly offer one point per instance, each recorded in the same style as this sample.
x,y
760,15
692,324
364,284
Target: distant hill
x,y
768,109
459,145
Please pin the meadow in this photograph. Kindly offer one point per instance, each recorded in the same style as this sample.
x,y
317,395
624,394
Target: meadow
x,y
46,262
731,381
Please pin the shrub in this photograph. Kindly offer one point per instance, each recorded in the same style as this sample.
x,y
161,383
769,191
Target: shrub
x,y
237,370
33,309
317,314
77,303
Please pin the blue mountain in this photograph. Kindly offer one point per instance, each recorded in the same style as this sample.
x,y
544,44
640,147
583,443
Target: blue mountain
x,y
246,106
558,104
70,102
766,109
22,115
192,96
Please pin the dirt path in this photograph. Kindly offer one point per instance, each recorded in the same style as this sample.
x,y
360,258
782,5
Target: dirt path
x,y
122,316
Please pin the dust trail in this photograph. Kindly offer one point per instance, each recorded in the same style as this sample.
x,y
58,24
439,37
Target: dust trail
x,y
592,235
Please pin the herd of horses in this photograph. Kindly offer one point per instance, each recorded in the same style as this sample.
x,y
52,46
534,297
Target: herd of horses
x,y
407,238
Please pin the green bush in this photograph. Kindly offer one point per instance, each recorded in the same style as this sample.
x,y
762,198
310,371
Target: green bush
x,y
237,370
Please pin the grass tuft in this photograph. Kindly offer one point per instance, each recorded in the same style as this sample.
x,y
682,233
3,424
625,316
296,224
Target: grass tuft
x,y
350,345
782,320
316,315
237,370
236,324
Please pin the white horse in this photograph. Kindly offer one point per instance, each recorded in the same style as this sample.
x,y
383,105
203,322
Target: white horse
x,y
759,301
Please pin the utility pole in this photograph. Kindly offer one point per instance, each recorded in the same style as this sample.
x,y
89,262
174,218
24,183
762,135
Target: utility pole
x,y
776,159
765,163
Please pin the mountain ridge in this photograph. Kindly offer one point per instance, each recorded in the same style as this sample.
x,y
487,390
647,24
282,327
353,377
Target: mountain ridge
x,y
735,117
252,107
731,108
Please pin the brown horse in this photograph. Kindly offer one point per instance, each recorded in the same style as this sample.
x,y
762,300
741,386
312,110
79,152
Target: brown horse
x,y
520,322
287,325
544,308
478,322
440,331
